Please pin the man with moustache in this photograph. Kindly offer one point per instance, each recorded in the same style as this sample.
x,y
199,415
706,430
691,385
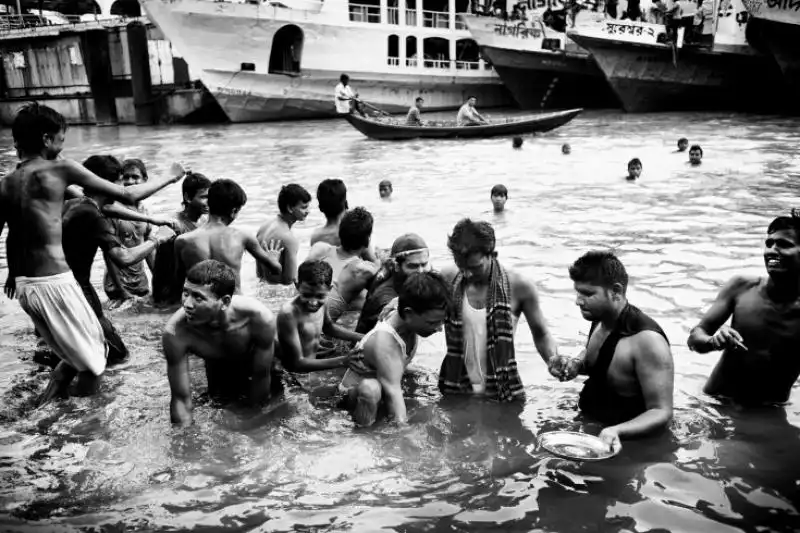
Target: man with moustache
x,y
409,254
760,348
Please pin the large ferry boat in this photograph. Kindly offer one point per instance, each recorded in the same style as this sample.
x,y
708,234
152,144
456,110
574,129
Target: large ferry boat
x,y
774,27
539,64
281,59
650,72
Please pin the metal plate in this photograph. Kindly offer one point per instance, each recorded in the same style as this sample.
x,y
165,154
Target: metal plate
x,y
576,446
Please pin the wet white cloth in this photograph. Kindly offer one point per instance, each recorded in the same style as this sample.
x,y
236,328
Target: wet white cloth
x,y
343,91
475,345
65,320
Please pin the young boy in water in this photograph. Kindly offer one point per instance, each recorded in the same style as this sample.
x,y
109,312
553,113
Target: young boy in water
x,y
566,149
634,169
683,144
385,189
499,196
303,319
695,155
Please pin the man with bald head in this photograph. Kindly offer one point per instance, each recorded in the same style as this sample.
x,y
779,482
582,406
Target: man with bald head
x,y
409,254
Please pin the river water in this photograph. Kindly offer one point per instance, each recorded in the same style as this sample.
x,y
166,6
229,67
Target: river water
x,y
114,463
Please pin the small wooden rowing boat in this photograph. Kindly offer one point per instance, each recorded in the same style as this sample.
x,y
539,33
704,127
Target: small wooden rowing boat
x,y
394,129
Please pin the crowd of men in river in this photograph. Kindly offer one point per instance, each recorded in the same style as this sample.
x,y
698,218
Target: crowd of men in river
x,y
55,231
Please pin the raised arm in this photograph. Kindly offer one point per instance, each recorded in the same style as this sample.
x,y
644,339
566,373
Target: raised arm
x,y
291,349
77,174
336,331
269,258
175,351
528,297
385,356
124,213
702,337
123,257
655,374
263,334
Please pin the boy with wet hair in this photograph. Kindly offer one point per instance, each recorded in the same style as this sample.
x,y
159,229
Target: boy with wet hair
x,y
683,144
166,286
499,197
332,198
695,155
234,334
634,169
302,320
293,204
385,189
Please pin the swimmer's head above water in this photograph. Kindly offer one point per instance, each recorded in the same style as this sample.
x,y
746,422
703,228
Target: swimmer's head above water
x,y
314,280
566,149
38,130
600,281
695,155
516,142
207,292
634,169
499,197
385,189
473,247
422,303
683,144
133,172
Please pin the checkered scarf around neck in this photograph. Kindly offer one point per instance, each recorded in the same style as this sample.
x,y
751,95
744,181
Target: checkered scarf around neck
x,y
502,378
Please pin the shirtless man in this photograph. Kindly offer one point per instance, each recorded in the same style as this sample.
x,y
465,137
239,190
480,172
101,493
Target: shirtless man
x,y
303,319
31,202
377,365
293,202
351,274
627,356
468,115
488,300
234,334
166,288
760,348
217,240
332,198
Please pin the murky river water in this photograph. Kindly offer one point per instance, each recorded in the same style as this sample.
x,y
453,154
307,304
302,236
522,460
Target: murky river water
x,y
114,463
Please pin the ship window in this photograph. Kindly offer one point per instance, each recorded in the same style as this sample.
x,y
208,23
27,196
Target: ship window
x,y
287,51
365,11
411,51
467,54
393,52
437,52
126,8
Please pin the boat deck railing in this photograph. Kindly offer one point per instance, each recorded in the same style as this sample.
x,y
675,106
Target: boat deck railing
x,y
32,23
439,64
371,14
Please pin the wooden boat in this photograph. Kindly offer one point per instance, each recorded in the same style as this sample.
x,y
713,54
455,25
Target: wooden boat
x,y
394,129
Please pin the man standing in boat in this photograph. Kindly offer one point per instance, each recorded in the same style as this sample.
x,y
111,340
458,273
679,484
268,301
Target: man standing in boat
x,y
759,362
346,99
469,116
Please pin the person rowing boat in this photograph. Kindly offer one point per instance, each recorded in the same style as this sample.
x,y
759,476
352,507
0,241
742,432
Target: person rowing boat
x,y
469,116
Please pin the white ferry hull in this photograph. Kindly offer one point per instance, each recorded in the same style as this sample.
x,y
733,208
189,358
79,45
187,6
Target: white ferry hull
x,y
218,38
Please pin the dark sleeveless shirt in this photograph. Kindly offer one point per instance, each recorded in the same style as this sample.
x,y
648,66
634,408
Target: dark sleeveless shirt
x,y
598,399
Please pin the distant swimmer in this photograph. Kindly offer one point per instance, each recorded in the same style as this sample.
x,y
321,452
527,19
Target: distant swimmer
x,y
627,356
380,359
634,169
516,142
566,149
695,155
683,144
332,199
385,189
303,320
293,205
234,334
166,288
760,347
31,202
217,240
413,117
499,197
468,115
487,301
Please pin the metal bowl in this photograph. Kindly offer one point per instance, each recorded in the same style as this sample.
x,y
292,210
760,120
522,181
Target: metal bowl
x,y
576,446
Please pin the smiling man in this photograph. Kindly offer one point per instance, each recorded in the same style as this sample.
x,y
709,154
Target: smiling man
x,y
293,203
760,348
234,334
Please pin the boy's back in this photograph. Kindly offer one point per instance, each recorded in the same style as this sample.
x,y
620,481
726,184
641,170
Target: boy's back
x,y
212,241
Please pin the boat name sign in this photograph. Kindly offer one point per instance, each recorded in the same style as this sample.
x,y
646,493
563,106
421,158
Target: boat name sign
x,y
626,30
764,7
519,31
